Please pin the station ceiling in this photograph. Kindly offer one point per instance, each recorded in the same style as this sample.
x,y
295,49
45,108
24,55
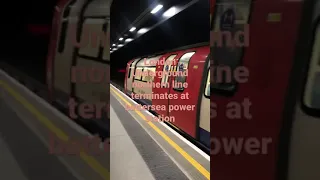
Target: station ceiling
x,y
141,15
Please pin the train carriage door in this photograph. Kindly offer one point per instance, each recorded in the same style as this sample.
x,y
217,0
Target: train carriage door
x,y
249,110
106,51
182,106
130,75
164,83
63,53
304,147
53,43
204,124
91,63
143,79
127,75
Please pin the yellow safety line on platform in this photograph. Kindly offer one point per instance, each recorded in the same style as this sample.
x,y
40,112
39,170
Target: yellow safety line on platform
x,y
93,163
197,165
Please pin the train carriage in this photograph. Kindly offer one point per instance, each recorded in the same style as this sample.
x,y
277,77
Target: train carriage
x,y
78,64
73,47
276,135
188,115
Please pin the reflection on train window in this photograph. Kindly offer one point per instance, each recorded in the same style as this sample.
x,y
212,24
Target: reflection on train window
x,y
230,19
106,45
231,14
146,61
166,68
207,89
137,74
182,66
68,9
150,76
312,89
63,35
64,27
211,22
130,67
90,44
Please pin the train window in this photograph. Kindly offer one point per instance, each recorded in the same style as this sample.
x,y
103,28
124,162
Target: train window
x,y
166,69
183,65
129,70
90,45
98,8
64,27
226,43
138,73
211,19
63,35
207,88
133,65
312,89
150,76
149,61
106,53
68,9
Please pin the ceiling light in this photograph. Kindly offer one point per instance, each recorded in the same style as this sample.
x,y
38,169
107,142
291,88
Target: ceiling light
x,y
132,29
128,40
170,12
121,39
113,44
120,45
142,30
156,9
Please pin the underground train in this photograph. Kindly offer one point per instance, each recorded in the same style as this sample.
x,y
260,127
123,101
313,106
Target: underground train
x,y
176,86
274,130
79,47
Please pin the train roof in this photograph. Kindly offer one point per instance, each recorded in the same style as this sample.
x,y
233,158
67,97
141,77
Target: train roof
x,y
171,50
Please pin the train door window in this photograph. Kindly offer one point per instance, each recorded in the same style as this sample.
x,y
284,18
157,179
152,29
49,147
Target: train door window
x,y
166,69
129,70
138,73
64,26
91,37
211,15
228,38
106,53
145,62
133,66
148,75
207,88
312,90
183,65
149,61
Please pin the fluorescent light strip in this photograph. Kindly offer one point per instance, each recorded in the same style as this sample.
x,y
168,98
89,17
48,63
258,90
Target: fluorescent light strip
x,y
133,29
129,40
170,12
156,9
143,30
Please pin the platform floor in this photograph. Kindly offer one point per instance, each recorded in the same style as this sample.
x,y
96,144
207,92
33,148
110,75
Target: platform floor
x,y
23,156
150,150
138,149
27,125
